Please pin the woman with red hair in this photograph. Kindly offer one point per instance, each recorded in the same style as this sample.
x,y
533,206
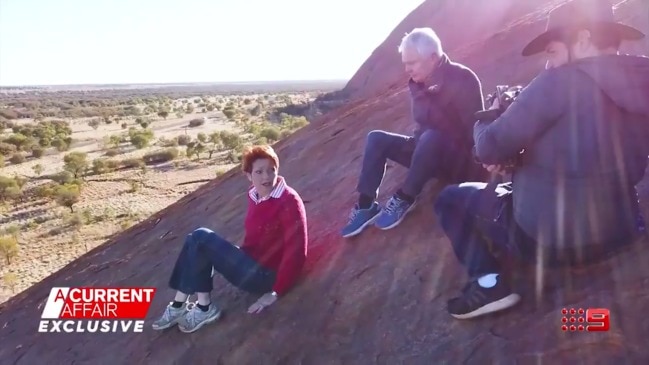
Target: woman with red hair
x,y
267,263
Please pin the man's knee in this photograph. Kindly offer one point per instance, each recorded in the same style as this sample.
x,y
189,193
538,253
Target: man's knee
x,y
430,148
430,138
446,198
456,195
376,139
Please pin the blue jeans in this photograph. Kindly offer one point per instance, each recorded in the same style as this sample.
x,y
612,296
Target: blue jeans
x,y
477,227
204,250
431,155
478,219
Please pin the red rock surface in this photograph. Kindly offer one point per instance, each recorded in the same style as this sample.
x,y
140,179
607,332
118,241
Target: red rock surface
x,y
376,299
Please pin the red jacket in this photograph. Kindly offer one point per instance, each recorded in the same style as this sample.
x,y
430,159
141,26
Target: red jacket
x,y
276,234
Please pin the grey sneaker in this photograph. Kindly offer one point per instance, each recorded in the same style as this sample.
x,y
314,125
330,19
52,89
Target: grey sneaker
x,y
195,318
393,213
170,317
359,219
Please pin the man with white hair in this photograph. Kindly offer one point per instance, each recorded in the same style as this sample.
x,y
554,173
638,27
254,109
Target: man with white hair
x,y
444,98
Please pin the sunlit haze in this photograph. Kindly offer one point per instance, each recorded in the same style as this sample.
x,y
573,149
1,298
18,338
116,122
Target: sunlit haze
x,y
45,42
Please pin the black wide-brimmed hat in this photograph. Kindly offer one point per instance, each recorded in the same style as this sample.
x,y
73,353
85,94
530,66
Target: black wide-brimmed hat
x,y
579,14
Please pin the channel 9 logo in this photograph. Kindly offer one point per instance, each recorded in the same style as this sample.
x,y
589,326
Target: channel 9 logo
x,y
589,320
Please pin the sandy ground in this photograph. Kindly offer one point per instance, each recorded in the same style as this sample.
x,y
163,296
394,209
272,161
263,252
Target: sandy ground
x,y
49,240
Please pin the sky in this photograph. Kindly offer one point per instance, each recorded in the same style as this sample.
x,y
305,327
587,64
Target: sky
x,y
46,42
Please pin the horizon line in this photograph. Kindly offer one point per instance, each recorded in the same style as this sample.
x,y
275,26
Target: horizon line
x,y
177,83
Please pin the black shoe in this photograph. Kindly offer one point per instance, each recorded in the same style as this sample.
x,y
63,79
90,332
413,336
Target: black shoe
x,y
476,300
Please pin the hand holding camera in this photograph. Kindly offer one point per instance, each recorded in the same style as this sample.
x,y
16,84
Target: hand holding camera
x,y
499,102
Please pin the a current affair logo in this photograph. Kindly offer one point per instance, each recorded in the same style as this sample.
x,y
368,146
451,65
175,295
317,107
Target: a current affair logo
x,y
96,309
589,320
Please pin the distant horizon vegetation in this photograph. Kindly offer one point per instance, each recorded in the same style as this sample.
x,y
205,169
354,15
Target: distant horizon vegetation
x,y
245,87
167,84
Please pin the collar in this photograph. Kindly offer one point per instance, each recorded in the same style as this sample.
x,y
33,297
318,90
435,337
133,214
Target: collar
x,y
435,78
275,193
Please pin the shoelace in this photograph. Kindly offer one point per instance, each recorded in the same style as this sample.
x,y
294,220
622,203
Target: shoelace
x,y
190,317
392,205
166,316
353,214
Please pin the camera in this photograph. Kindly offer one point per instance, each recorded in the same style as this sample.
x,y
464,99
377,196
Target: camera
x,y
505,95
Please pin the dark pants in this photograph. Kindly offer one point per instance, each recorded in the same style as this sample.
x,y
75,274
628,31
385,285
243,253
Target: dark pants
x,y
432,155
480,225
204,250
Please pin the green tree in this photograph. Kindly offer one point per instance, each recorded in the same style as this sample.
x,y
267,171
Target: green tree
x,y
67,195
115,140
9,248
190,149
184,139
63,177
272,134
76,163
198,149
230,140
14,193
140,138
7,149
37,151
45,142
6,184
215,143
60,144
100,166
17,139
229,112
11,280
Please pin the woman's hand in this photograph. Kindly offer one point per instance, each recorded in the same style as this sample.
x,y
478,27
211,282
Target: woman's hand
x,y
263,302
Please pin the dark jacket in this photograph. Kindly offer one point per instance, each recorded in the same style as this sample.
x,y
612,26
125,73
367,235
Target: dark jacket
x,y
583,128
447,101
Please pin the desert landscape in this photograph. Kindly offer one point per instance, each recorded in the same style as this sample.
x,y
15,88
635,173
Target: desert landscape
x,y
380,298
79,165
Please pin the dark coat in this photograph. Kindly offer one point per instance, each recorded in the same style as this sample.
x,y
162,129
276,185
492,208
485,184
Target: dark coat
x,y
584,131
447,101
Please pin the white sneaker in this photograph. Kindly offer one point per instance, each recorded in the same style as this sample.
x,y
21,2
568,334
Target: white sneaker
x,y
170,317
195,318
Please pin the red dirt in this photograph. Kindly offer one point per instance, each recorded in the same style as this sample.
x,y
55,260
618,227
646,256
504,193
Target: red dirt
x,y
379,298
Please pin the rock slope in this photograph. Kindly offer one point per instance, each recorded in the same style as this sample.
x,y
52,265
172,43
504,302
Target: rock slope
x,y
376,299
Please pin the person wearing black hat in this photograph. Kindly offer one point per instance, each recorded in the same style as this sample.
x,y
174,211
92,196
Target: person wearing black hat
x,y
580,130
